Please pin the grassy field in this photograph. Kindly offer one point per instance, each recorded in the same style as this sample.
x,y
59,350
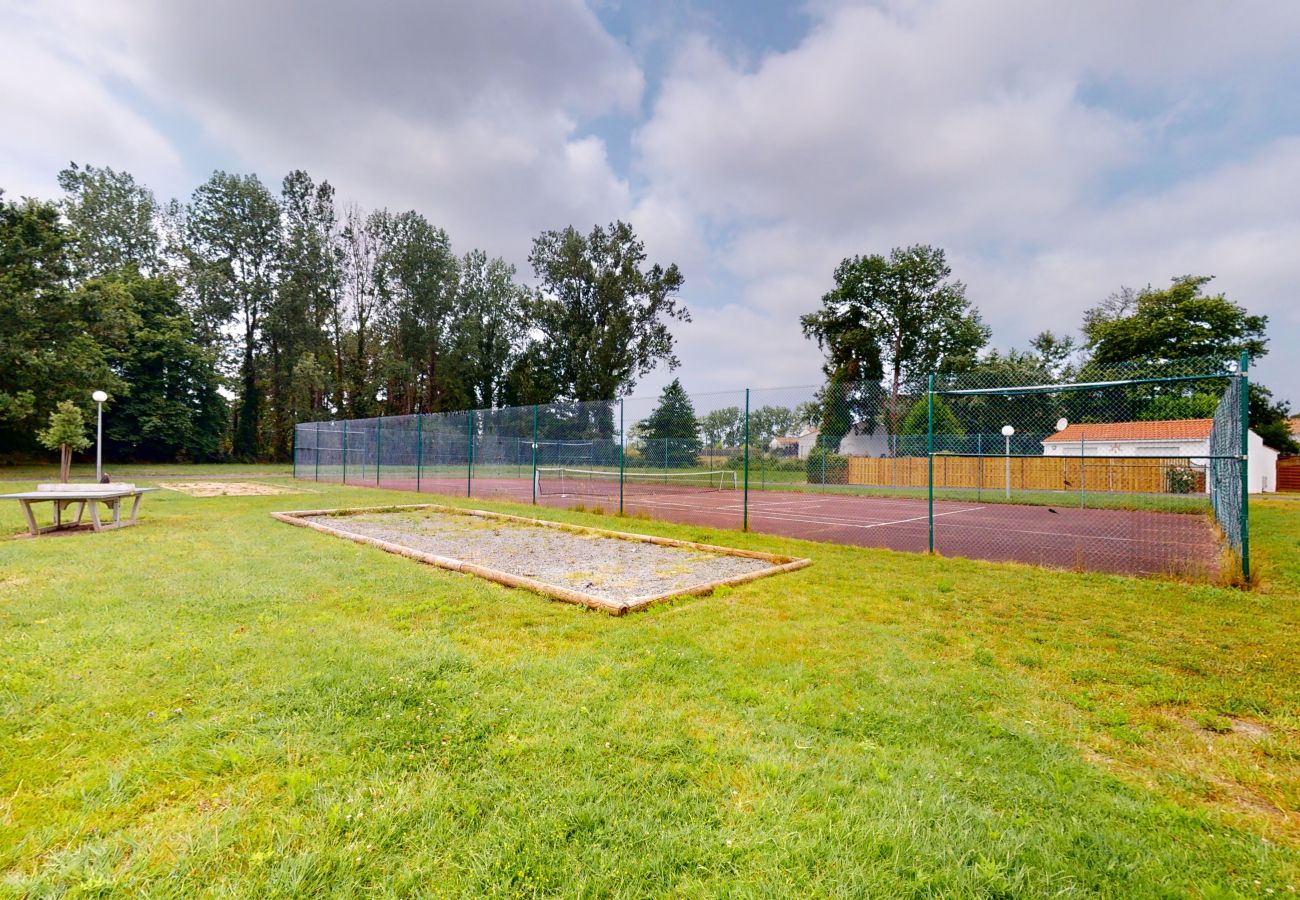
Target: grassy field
x,y
126,471
216,703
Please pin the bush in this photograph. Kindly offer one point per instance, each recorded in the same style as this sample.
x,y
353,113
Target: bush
x,y
1182,479
825,467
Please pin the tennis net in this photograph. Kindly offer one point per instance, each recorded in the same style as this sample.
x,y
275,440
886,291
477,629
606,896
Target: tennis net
x,y
565,481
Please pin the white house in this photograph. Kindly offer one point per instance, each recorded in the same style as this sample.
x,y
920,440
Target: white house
x,y
857,443
1168,438
852,444
807,439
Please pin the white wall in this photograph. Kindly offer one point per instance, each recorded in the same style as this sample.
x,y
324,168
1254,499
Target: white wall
x,y
865,444
1127,448
1261,466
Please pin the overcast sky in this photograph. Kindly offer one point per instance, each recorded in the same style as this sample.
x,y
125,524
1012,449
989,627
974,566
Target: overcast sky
x,y
1056,150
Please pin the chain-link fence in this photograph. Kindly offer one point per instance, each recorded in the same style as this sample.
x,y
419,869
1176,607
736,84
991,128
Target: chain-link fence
x,y
1133,469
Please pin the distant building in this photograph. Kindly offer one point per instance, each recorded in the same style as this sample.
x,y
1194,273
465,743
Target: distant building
x,y
784,446
1169,439
1293,426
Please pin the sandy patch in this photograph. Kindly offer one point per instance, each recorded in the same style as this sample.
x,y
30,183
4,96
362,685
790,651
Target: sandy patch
x,y
227,488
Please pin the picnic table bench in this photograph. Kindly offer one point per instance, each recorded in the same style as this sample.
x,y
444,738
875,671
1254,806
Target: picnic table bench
x,y
82,495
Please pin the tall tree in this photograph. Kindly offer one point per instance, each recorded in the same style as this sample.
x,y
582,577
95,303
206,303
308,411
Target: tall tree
x,y
168,407
232,250
113,220
671,432
416,275
770,422
362,308
303,313
1178,322
723,427
900,316
603,316
52,340
491,325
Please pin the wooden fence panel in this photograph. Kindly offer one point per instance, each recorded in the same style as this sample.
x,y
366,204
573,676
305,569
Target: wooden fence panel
x,y
1117,474
1288,473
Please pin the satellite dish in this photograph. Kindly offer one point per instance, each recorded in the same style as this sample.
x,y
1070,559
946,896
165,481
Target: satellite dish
x,y
1062,423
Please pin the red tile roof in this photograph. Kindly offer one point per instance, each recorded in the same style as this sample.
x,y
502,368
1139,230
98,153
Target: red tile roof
x,y
1160,430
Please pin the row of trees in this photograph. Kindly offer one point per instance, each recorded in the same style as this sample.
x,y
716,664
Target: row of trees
x,y
895,320
220,322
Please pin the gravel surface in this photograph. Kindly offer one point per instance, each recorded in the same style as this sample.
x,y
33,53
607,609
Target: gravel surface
x,y
609,568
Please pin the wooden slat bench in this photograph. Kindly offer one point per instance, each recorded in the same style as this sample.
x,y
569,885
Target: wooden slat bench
x,y
82,496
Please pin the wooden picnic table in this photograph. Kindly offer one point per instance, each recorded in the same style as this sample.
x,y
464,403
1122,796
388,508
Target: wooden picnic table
x,y
80,495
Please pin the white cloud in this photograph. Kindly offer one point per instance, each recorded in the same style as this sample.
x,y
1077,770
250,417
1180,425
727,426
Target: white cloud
x,y
998,131
466,112
56,111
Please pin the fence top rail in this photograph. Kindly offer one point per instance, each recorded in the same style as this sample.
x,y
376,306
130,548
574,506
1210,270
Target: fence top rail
x,y
1077,385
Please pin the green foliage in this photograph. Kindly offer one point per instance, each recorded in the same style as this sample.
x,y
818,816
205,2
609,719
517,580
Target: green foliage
x,y
1178,322
725,427
169,406
770,422
232,257
898,318
1181,479
917,420
1270,419
1197,405
53,341
825,466
671,431
67,428
602,314
491,325
113,221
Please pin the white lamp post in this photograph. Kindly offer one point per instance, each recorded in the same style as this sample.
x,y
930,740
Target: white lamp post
x,y
99,397
1007,431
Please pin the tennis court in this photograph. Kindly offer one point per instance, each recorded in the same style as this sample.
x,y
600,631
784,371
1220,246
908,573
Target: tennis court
x,y
1121,541
1111,474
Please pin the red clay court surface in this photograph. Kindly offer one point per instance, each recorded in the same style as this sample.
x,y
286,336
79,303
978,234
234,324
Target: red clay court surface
x,y
1133,542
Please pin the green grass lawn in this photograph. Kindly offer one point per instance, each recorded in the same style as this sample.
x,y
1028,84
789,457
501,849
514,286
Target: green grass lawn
x,y
85,471
217,703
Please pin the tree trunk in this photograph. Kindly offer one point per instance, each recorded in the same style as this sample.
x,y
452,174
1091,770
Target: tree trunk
x,y
65,463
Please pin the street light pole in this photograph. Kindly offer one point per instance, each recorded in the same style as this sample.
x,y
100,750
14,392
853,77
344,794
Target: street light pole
x,y
1007,431
99,397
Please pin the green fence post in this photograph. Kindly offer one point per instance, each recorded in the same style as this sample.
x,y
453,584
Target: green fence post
x,y
318,451
345,451
622,442
929,450
1245,466
534,454
469,465
745,499
419,449
379,446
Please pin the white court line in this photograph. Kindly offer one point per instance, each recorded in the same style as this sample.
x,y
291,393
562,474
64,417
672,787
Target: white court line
x,y
883,524
814,520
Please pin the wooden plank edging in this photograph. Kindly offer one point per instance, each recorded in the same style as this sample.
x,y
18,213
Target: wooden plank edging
x,y
780,564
